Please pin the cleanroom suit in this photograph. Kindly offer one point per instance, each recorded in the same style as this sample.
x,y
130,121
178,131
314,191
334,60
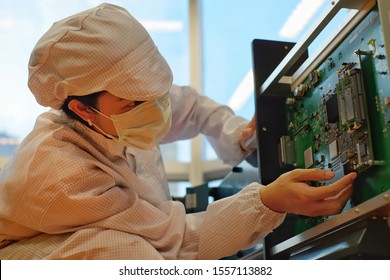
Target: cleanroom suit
x,y
71,193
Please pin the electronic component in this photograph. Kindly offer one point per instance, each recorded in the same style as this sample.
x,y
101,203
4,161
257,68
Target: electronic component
x,y
333,150
300,91
314,78
290,101
308,156
350,99
332,110
286,150
386,101
331,63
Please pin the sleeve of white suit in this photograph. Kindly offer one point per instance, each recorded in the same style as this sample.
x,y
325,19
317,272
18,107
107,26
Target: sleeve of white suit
x,y
231,224
193,113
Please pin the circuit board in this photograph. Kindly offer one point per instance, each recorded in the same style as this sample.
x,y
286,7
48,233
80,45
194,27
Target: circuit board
x,y
339,117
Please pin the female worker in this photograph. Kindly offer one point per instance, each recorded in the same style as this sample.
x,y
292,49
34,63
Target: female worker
x,y
88,182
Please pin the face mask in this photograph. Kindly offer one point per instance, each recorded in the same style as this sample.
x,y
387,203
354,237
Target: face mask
x,y
144,126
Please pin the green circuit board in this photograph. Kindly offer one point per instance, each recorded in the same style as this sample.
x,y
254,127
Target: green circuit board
x,y
339,117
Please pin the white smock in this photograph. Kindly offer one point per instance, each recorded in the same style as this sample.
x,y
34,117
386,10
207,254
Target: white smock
x,y
71,193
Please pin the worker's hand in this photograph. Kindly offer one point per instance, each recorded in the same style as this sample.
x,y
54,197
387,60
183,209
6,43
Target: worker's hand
x,y
247,133
290,193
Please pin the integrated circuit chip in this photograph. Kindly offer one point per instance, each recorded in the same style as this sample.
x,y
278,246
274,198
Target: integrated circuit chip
x,y
332,109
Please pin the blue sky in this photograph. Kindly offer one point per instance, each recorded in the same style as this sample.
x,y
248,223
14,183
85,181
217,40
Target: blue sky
x,y
229,27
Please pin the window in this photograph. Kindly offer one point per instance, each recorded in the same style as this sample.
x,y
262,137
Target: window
x,y
21,25
228,29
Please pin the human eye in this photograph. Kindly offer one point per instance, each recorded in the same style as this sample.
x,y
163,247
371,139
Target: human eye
x,y
136,103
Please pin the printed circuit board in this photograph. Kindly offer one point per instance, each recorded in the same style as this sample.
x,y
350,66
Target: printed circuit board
x,y
339,117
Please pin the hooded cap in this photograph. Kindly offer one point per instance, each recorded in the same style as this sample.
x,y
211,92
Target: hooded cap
x,y
104,48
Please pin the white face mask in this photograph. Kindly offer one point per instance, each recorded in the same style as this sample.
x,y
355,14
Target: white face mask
x,y
144,126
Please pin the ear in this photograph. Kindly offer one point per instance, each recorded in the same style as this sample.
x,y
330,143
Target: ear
x,y
81,110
